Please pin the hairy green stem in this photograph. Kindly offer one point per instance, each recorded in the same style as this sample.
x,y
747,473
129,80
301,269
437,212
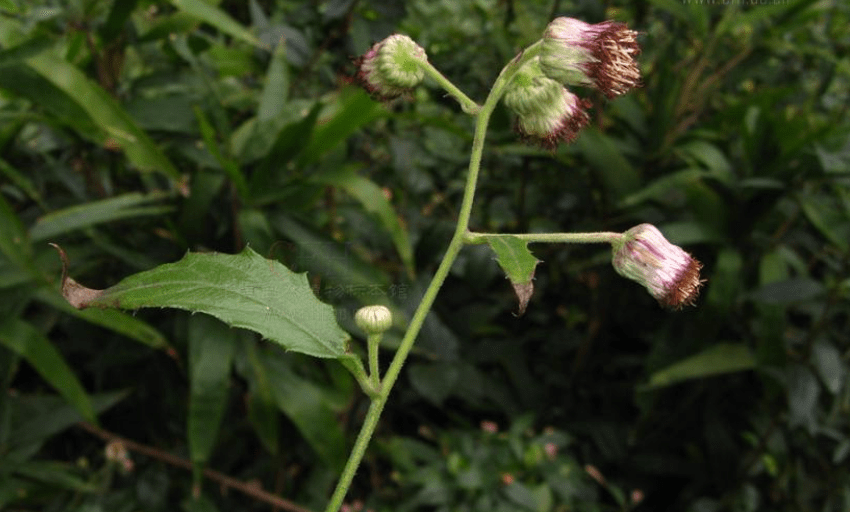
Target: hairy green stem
x,y
549,238
373,342
455,245
355,366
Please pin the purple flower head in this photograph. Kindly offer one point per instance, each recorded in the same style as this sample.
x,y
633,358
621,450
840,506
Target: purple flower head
x,y
391,67
670,274
600,55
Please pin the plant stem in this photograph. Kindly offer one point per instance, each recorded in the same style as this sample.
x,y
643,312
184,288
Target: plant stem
x,y
466,104
455,245
373,342
550,238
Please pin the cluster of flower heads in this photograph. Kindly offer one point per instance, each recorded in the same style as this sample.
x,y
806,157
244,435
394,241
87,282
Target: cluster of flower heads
x,y
572,53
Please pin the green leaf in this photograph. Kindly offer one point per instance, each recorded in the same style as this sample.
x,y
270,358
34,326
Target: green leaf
x,y
829,216
312,408
115,22
56,474
97,212
519,264
26,341
522,497
798,289
59,85
227,164
22,182
243,290
112,319
828,362
803,394
262,409
276,90
24,81
330,259
198,504
613,170
725,280
211,349
354,108
372,198
36,418
9,6
24,50
664,188
219,19
14,241
721,358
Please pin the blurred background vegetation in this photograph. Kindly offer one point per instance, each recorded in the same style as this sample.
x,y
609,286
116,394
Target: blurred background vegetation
x,y
136,130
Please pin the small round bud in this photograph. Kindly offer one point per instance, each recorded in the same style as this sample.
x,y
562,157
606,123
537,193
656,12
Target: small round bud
x,y
600,55
670,274
373,319
392,67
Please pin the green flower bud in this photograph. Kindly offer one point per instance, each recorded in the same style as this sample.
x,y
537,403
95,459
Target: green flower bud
x,y
392,67
373,319
547,113
670,274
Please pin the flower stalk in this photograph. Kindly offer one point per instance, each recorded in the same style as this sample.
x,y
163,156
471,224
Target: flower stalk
x,y
534,86
418,319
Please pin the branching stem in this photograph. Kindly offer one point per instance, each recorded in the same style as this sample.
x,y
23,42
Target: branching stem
x,y
455,245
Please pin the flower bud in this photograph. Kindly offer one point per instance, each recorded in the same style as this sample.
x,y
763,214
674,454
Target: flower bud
x,y
600,55
547,112
670,274
391,67
373,319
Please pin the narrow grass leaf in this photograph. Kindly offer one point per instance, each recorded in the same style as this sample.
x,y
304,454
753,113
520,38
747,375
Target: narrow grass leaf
x,y
211,348
97,212
34,347
354,109
116,127
719,359
112,319
207,13
371,197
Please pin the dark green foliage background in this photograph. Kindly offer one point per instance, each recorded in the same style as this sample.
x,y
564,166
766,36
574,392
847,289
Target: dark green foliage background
x,y
177,131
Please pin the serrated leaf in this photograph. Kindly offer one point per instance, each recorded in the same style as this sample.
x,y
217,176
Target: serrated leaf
x,y
243,290
516,260
721,358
